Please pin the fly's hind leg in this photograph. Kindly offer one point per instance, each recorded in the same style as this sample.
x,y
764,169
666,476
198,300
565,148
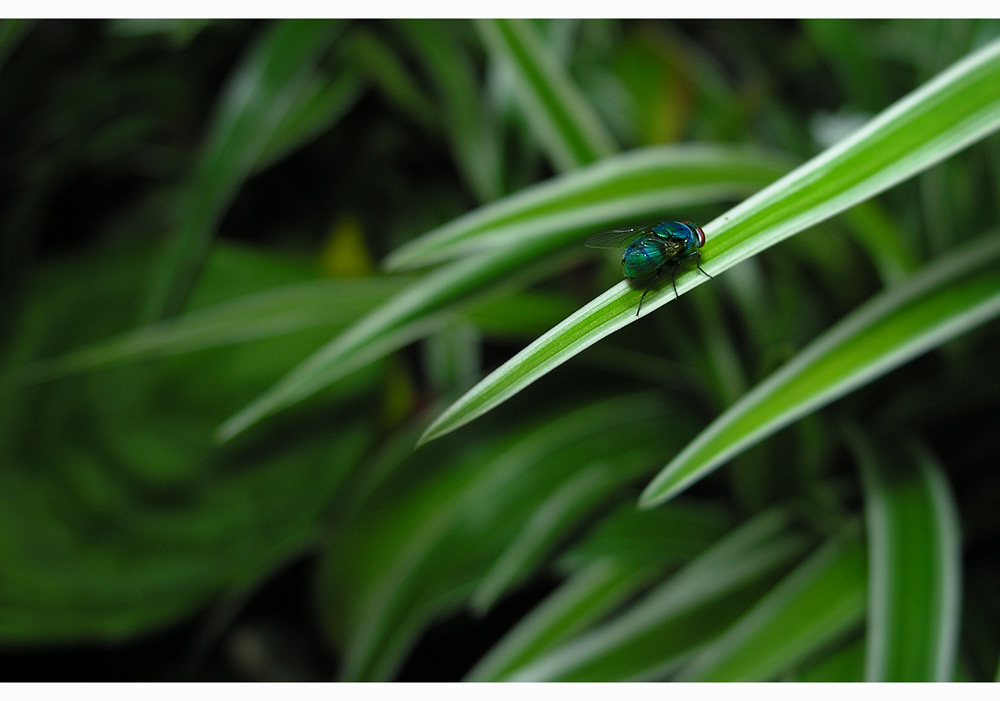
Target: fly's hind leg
x,y
648,288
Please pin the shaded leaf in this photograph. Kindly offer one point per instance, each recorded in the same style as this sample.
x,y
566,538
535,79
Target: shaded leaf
x,y
626,553
617,190
690,608
820,601
557,112
915,567
263,100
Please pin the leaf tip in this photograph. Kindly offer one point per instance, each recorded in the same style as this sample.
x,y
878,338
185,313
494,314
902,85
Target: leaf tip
x,y
402,259
394,262
663,488
429,434
647,501
232,427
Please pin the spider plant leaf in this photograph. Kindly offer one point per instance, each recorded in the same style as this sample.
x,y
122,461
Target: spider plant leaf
x,y
914,567
958,107
943,301
274,312
655,635
621,188
381,587
403,317
620,559
560,512
252,121
563,121
820,601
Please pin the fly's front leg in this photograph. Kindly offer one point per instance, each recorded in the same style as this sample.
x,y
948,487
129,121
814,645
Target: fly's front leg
x,y
697,261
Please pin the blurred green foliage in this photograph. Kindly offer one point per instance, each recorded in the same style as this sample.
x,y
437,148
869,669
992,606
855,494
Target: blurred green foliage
x,y
190,210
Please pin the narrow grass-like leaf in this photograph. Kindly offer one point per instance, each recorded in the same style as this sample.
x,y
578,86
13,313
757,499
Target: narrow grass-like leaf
x,y
823,599
615,191
322,104
671,622
470,126
915,568
847,664
587,596
450,539
950,112
260,315
386,71
403,319
674,535
945,300
629,551
557,514
563,121
264,91
114,555
509,264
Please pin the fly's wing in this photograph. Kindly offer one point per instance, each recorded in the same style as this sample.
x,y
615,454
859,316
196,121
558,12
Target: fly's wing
x,y
615,239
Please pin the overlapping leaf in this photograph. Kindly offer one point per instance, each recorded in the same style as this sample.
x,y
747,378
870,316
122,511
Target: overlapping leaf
x,y
273,101
118,513
381,587
564,122
661,630
947,299
955,109
820,601
636,184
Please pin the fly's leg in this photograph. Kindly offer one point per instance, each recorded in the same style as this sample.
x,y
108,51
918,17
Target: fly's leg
x,y
677,267
651,283
697,261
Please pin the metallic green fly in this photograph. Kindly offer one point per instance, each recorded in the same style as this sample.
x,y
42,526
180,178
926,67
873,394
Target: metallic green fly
x,y
649,248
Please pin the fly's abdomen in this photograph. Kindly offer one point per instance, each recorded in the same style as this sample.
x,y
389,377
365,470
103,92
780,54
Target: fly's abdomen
x,y
645,256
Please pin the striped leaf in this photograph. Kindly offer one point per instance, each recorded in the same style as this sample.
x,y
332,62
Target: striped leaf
x,y
943,301
914,568
563,121
957,108
406,316
820,601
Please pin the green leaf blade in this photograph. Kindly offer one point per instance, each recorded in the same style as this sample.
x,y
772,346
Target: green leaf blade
x,y
263,100
671,622
915,569
563,121
410,314
278,311
641,183
955,109
628,552
821,600
940,303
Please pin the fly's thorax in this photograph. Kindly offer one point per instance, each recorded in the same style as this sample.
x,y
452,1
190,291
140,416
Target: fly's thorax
x,y
686,236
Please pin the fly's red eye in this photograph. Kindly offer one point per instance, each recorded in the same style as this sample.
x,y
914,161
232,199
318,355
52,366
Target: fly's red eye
x,y
701,236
